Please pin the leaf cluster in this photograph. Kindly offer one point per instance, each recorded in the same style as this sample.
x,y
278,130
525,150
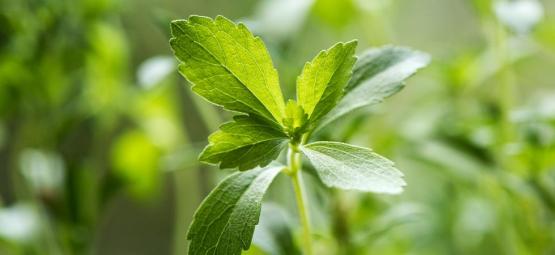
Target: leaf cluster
x,y
230,67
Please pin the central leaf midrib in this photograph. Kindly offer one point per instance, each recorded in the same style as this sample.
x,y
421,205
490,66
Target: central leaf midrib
x,y
263,114
228,220
265,153
257,66
331,78
224,65
323,97
231,209
246,145
383,66
388,177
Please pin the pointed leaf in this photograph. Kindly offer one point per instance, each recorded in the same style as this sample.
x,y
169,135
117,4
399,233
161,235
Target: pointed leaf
x,y
246,142
347,166
322,80
378,74
228,66
225,221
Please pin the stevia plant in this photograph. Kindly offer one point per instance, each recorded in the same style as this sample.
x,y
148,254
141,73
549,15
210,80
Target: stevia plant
x,y
230,67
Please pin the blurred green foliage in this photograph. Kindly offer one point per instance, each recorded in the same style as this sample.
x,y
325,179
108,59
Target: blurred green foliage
x,y
99,135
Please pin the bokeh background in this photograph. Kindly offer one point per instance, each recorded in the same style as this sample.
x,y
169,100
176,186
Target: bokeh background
x,y
99,134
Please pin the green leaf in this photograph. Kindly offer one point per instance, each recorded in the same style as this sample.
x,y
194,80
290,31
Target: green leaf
x,y
322,80
228,66
246,142
378,74
346,166
225,221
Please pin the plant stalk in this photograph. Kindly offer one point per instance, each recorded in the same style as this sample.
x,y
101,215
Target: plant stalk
x,y
506,89
505,86
294,170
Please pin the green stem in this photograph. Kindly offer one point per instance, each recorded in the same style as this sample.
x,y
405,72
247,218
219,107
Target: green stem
x,y
294,170
505,94
505,86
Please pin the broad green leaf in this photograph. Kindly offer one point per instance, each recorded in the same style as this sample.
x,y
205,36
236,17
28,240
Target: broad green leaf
x,y
228,66
347,166
225,221
322,80
378,74
246,142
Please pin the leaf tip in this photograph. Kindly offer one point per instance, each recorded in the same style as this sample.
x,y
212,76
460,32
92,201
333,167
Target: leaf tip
x,y
352,43
199,19
176,27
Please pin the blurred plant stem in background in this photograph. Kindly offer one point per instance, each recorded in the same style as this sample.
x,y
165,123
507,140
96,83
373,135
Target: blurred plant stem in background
x,y
198,125
505,93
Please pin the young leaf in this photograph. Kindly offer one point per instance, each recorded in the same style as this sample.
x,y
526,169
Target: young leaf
x,y
378,74
246,142
351,167
295,119
228,66
225,221
322,80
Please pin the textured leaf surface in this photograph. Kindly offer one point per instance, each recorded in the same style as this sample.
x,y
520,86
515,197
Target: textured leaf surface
x,y
378,74
228,66
322,80
346,166
246,142
225,221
